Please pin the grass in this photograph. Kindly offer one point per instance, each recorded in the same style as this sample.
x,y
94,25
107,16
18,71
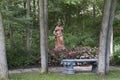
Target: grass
x,y
113,75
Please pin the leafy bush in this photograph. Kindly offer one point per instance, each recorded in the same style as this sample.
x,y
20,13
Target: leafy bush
x,y
21,58
76,39
56,55
51,40
115,58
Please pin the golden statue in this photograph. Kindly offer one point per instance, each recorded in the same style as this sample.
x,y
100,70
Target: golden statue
x,y
58,32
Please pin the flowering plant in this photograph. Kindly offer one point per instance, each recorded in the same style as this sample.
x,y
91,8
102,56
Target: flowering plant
x,y
85,52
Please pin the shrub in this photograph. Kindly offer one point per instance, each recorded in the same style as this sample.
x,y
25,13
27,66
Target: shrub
x,y
115,58
20,58
56,55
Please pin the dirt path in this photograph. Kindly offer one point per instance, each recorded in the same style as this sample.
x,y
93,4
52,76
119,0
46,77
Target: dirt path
x,y
78,69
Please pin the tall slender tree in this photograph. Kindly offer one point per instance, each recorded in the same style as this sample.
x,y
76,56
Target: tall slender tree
x,y
9,3
110,33
3,60
11,37
94,13
103,37
43,35
34,12
28,29
46,29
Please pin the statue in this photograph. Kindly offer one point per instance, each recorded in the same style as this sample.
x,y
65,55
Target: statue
x,y
58,32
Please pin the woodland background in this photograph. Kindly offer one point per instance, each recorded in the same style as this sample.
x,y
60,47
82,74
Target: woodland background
x,y
81,20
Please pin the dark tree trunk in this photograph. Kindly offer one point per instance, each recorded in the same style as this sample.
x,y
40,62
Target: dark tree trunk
x,y
9,3
11,37
28,29
46,29
94,14
34,12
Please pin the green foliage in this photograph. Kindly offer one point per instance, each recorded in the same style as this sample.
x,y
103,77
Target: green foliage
x,y
80,27
17,55
71,40
75,39
79,39
51,40
20,58
14,13
115,58
74,2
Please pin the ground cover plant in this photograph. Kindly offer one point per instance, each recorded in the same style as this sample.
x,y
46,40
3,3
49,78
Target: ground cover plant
x,y
113,75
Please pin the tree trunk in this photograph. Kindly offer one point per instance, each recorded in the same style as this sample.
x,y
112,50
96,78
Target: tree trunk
x,y
106,36
110,33
103,38
43,36
9,3
94,14
28,30
46,30
111,43
11,37
3,60
34,12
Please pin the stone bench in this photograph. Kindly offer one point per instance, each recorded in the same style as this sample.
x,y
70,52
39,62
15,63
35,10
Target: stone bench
x,y
70,63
